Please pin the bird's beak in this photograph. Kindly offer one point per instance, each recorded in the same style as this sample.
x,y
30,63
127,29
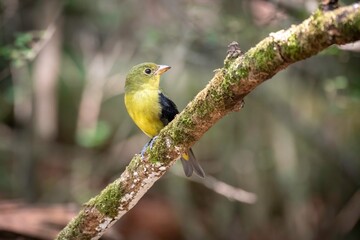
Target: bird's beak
x,y
161,69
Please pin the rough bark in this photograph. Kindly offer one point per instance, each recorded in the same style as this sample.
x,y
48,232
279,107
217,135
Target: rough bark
x,y
240,74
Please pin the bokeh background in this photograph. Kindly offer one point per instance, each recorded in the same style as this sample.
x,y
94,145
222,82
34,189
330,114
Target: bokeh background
x,y
65,134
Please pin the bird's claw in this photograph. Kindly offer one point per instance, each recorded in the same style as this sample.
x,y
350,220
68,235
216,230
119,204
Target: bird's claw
x,y
151,142
143,150
148,144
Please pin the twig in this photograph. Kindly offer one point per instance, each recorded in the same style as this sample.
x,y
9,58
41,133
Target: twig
x,y
222,188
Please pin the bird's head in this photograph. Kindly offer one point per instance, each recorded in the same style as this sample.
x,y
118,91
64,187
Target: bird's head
x,y
144,76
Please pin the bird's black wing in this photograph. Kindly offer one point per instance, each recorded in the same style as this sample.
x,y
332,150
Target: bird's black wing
x,y
188,160
168,109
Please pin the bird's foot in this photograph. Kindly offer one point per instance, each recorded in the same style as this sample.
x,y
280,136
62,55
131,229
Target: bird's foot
x,y
148,144
143,150
151,142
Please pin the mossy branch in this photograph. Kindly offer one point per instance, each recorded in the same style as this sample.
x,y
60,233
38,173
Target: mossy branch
x,y
224,93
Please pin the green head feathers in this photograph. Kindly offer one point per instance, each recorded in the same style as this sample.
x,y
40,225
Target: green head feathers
x,y
144,76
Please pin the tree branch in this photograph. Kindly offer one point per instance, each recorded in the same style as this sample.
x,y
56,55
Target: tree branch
x,y
230,192
224,94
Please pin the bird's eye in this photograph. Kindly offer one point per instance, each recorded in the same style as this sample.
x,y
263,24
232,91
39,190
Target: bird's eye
x,y
148,71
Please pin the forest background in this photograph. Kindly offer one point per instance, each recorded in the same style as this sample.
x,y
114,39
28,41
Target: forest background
x,y
65,134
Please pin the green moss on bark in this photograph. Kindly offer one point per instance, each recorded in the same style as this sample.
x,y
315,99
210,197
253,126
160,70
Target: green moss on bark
x,y
292,49
263,56
73,229
134,163
108,201
348,26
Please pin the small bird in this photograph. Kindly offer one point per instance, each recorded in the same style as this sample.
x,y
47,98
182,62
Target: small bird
x,y
151,110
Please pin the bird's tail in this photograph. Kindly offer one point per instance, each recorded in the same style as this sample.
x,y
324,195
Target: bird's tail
x,y
190,164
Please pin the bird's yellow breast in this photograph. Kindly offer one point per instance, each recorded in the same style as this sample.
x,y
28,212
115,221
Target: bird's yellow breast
x,y
144,108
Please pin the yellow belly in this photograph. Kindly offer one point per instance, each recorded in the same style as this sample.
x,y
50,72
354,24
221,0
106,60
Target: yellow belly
x,y
144,108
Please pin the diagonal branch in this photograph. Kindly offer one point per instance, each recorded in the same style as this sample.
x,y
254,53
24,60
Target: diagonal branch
x,y
230,192
224,94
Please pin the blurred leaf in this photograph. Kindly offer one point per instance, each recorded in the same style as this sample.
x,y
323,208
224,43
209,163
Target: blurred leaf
x,y
94,137
22,49
335,84
5,52
23,40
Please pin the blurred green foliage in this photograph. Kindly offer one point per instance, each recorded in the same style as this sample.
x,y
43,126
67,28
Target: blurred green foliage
x,y
21,50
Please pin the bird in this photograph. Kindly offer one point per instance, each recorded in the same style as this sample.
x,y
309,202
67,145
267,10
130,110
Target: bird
x,y
151,110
